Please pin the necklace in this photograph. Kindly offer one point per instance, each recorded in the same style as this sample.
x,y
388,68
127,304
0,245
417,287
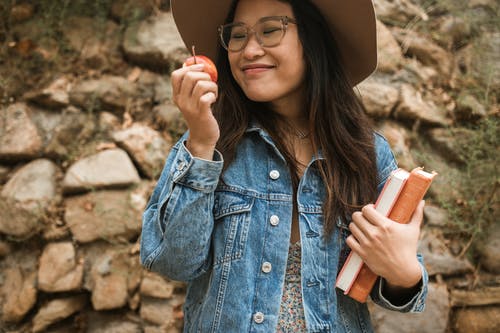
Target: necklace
x,y
301,135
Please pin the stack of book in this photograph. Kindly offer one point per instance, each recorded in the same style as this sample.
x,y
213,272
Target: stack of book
x,y
398,200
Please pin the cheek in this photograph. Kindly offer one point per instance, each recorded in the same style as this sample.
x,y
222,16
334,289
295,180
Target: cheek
x,y
232,64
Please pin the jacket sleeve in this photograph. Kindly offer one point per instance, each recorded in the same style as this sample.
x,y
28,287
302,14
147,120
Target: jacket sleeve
x,y
386,163
178,220
414,304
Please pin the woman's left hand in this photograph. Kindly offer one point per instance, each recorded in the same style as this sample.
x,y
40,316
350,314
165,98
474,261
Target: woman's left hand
x,y
387,247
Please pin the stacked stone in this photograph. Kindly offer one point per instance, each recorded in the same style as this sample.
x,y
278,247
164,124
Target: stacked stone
x,y
79,159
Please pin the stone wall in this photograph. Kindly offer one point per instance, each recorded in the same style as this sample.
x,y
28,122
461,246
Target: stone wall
x,y
83,139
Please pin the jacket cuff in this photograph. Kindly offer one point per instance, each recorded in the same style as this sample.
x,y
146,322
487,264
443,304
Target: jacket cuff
x,y
415,304
197,173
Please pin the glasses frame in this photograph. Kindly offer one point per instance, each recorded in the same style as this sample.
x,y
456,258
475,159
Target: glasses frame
x,y
285,20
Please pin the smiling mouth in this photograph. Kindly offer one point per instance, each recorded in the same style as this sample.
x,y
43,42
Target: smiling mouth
x,y
256,68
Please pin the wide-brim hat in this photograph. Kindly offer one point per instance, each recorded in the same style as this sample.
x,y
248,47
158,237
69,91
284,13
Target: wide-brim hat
x,y
352,23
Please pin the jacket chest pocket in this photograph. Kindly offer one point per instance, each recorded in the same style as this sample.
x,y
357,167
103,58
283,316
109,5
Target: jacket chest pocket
x,y
232,221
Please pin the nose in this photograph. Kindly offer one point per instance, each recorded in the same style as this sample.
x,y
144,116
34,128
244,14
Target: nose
x,y
253,48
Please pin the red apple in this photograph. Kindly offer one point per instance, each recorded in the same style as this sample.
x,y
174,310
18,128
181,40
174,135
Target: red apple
x,y
201,59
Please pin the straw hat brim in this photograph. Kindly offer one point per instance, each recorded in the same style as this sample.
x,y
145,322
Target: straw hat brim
x,y
351,21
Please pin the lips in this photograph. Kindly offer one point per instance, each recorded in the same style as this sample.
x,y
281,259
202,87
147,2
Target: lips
x,y
256,68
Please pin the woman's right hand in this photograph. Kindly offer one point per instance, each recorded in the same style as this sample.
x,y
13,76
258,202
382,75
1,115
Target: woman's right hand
x,y
194,93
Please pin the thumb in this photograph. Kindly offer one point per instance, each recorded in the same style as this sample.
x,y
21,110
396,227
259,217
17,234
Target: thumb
x,y
418,215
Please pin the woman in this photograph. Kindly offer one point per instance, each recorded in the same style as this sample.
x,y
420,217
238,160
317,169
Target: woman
x,y
255,203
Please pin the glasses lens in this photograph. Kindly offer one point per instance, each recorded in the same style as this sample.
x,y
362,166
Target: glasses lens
x,y
234,36
270,32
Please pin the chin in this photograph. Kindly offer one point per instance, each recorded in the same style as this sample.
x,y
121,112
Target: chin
x,y
259,96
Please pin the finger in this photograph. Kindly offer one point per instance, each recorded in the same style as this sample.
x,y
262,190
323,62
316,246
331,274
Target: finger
x,y
357,233
363,224
203,87
373,216
418,215
355,246
177,76
206,101
189,82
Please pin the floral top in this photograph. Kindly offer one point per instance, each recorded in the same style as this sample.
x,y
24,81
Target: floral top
x,y
291,317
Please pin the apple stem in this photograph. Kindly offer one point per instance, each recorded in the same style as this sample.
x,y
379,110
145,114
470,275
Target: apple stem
x,y
194,53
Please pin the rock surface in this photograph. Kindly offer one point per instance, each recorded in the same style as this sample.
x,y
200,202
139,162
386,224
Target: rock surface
x,y
87,120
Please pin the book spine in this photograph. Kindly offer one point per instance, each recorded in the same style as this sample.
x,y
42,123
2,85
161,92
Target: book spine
x,y
413,192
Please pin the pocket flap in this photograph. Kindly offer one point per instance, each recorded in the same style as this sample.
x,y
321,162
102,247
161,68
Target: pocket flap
x,y
231,203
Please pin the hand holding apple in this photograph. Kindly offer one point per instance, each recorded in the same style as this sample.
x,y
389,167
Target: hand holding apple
x,y
201,59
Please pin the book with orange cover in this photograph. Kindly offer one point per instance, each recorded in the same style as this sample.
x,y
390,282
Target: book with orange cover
x,y
383,205
404,204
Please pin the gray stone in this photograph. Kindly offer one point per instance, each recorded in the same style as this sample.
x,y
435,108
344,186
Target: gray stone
x,y
59,268
155,43
390,55
146,146
19,137
168,116
413,107
378,98
21,12
161,311
417,74
399,140
110,276
489,249
113,93
469,109
108,123
33,183
110,292
57,310
435,216
477,320
98,41
103,215
26,197
109,168
154,285
54,96
476,297
19,288
131,10
434,318
454,30
450,142
102,322
425,50
74,129
398,12
437,256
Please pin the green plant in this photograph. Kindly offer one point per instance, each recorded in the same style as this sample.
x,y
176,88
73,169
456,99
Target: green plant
x,y
474,202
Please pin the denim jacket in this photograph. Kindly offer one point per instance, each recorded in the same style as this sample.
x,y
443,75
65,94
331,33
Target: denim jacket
x,y
227,234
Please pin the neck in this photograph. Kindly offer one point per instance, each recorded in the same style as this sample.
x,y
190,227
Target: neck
x,y
293,111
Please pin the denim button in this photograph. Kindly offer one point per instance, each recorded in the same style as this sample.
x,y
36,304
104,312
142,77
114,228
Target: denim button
x,y
181,165
274,174
267,267
274,220
258,317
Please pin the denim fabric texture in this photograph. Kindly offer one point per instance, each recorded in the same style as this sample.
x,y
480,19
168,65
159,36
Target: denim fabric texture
x,y
227,234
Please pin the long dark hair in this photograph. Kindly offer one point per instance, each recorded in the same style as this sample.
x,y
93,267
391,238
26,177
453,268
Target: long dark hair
x,y
339,125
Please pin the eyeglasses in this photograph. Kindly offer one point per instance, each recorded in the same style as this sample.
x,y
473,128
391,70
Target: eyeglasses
x,y
269,32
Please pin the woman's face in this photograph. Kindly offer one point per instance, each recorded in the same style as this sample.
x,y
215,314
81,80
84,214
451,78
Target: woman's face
x,y
268,74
